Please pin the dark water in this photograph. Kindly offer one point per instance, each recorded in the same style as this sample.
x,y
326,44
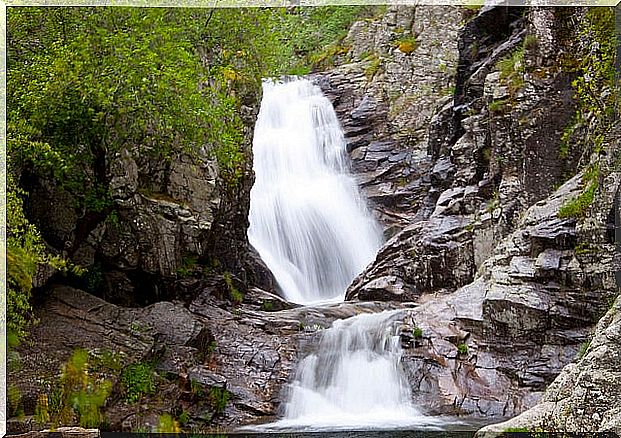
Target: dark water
x,y
458,428
362,434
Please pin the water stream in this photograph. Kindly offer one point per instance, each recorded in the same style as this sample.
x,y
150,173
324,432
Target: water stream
x,y
354,380
308,221
312,229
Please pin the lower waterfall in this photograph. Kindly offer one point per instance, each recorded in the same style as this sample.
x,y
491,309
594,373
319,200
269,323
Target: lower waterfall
x,y
354,381
308,221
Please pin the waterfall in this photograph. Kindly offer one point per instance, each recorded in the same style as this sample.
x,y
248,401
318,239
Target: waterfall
x,y
308,221
313,231
354,380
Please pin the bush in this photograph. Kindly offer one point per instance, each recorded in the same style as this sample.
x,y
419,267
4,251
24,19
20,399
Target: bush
x,y
218,398
138,381
167,424
406,45
236,296
578,206
25,251
76,397
583,349
462,349
373,66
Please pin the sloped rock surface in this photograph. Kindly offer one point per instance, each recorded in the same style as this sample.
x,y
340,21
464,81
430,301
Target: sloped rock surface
x,y
385,99
491,347
586,395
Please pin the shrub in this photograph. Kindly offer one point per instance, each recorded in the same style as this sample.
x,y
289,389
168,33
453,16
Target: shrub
x,y
14,399
373,66
499,105
511,70
583,349
417,333
138,381
462,348
167,424
577,206
218,398
77,396
236,296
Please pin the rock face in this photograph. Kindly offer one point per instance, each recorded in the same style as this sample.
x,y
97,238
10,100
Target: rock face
x,y
491,347
385,97
168,216
586,395
508,290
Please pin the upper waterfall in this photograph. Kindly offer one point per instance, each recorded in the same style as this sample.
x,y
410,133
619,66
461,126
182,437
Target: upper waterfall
x,y
307,219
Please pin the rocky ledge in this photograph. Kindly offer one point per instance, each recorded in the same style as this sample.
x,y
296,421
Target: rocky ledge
x,y
248,352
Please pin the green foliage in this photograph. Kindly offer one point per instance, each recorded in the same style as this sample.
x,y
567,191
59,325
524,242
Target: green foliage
x,y
88,403
94,278
14,399
515,429
325,58
583,349
472,7
24,253
567,135
583,248
373,66
498,106
42,414
218,398
184,417
137,381
596,95
314,34
167,424
196,388
236,296
462,349
578,206
417,333
85,82
597,79
77,396
188,263
267,306
511,69
530,42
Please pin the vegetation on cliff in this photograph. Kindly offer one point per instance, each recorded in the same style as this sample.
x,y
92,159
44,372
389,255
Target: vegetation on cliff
x,y
86,82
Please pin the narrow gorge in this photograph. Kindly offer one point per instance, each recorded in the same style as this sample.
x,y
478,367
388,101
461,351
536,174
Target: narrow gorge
x,y
409,225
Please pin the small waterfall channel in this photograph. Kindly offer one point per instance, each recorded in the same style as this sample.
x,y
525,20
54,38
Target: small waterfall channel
x,y
312,229
354,380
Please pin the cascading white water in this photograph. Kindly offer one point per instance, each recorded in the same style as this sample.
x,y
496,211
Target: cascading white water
x,y
308,221
314,232
354,380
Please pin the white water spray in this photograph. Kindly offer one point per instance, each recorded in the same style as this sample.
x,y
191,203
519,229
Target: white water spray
x,y
308,221
354,380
